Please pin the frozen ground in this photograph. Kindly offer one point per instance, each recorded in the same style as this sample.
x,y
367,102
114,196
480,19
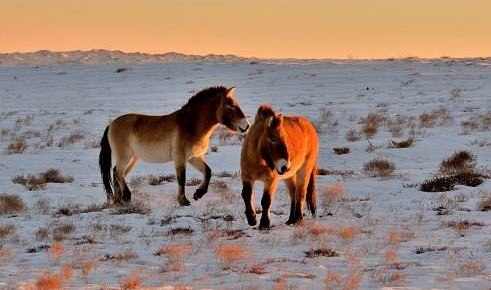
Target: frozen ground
x,y
384,231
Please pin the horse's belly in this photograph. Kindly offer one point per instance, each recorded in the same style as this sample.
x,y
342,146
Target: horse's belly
x,y
154,153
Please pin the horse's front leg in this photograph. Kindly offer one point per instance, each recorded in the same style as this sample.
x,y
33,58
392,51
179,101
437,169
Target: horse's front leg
x,y
250,212
200,164
181,182
268,193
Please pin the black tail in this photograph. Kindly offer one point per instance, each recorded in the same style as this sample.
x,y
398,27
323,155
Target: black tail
x,y
105,164
311,196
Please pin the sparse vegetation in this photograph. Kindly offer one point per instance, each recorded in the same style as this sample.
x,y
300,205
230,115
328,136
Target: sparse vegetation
x,y
228,254
484,203
324,252
379,167
36,182
401,144
459,162
353,135
18,146
341,150
11,204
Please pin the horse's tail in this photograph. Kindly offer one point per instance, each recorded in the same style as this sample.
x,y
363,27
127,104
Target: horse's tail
x,y
105,164
311,197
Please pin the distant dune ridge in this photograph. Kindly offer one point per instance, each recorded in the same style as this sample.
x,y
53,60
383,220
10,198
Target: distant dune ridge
x,y
103,56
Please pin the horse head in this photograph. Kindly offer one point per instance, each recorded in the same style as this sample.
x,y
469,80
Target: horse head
x,y
274,140
230,114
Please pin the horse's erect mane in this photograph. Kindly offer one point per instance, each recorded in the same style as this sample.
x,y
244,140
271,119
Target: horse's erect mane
x,y
205,94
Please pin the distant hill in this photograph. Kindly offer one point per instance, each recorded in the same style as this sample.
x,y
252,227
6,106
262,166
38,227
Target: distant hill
x,y
102,56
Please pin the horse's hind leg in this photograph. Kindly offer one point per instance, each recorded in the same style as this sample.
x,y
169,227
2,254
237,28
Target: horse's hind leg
x,y
122,193
200,164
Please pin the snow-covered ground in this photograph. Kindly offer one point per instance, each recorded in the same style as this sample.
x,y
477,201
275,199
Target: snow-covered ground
x,y
382,232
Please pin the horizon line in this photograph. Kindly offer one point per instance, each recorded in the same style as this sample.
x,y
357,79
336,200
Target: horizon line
x,y
240,56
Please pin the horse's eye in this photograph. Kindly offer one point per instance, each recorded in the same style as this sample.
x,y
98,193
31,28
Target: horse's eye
x,y
229,107
273,140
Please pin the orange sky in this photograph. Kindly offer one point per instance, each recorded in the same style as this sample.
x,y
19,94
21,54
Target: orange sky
x,y
267,28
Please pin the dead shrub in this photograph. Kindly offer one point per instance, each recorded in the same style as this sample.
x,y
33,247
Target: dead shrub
x,y
371,124
49,281
116,229
11,204
18,146
193,182
35,182
6,230
131,282
120,256
425,249
470,267
175,256
401,144
63,229
157,180
132,208
180,231
323,252
438,184
353,135
460,161
484,203
341,150
440,116
230,254
42,234
73,138
379,167
348,233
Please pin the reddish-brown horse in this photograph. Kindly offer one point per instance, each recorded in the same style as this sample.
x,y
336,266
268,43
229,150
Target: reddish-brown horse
x,y
182,136
279,147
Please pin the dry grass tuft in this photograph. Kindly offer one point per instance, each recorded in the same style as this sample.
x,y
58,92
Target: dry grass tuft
x,y
180,231
11,204
18,146
35,182
157,180
120,256
175,256
131,282
6,230
132,208
348,233
341,150
484,203
422,249
401,144
324,252
440,116
447,183
73,138
371,123
351,281
353,135
463,226
459,162
49,281
230,254
63,229
379,167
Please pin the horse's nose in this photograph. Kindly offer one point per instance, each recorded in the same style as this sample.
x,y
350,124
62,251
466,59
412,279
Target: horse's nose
x,y
244,125
282,166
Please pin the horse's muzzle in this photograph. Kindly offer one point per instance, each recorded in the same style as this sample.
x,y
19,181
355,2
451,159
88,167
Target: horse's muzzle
x,y
244,125
282,166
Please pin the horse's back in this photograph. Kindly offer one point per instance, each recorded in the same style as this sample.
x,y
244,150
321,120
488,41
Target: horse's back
x,y
146,137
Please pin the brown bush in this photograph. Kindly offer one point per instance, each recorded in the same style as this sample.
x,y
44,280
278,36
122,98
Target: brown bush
x,y
341,150
353,135
63,229
49,281
379,167
229,254
484,203
459,162
73,138
18,146
324,252
6,230
440,116
372,123
11,204
35,182
401,144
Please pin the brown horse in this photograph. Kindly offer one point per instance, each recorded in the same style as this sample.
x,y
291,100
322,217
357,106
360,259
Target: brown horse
x,y
181,136
279,147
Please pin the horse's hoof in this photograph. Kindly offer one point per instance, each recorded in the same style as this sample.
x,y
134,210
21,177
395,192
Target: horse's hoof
x,y
264,225
199,193
251,220
184,202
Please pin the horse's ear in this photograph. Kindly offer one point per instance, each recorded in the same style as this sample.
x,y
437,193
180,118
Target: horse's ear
x,y
231,90
269,121
264,112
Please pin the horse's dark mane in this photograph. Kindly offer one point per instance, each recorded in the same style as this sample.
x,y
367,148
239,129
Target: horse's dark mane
x,y
204,94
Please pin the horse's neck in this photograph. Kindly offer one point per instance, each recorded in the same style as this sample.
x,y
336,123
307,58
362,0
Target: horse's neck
x,y
199,120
